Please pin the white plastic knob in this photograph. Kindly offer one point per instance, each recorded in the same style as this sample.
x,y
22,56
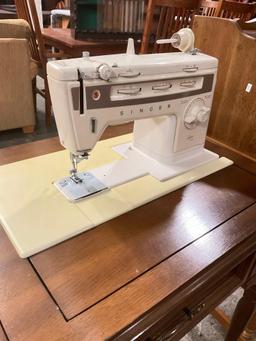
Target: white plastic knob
x,y
203,114
105,72
190,117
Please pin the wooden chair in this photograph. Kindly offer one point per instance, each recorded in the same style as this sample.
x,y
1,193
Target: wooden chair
x,y
210,8
237,10
26,10
164,17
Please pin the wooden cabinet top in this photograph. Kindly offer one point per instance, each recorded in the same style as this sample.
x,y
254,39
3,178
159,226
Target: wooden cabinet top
x,y
112,277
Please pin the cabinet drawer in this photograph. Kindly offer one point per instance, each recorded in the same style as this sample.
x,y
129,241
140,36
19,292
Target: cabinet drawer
x,y
178,314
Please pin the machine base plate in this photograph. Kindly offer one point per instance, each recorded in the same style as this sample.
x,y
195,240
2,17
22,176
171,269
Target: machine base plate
x,y
41,216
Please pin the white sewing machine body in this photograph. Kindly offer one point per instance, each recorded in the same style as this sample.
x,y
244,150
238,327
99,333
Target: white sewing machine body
x,y
169,95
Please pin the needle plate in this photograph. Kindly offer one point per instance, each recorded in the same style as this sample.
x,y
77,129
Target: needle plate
x,y
74,191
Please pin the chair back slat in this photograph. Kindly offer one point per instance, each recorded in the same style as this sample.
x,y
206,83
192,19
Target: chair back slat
x,y
237,10
26,9
164,17
210,8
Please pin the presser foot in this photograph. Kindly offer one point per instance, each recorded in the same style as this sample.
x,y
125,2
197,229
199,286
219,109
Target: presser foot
x,y
75,177
79,186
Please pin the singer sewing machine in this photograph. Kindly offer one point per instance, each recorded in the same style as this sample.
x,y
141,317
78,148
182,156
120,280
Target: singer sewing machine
x,y
168,95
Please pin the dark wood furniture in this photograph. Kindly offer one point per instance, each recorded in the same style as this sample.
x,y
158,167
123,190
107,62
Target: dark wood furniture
x,y
235,9
48,5
233,119
210,8
63,40
3,336
159,268
249,333
7,12
26,9
7,15
248,28
165,17
228,9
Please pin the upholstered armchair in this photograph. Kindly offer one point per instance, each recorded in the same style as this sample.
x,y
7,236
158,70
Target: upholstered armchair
x,y
17,72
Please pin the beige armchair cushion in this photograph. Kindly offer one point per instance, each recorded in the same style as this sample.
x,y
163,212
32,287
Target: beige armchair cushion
x,y
14,28
18,29
16,71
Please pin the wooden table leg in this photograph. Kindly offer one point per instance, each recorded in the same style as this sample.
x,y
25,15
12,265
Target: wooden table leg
x,y
243,313
250,332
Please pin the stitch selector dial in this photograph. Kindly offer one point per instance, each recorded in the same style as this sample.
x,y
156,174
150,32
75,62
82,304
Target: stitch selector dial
x,y
196,113
104,71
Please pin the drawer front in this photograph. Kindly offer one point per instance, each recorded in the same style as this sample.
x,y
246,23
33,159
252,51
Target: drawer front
x,y
206,299
178,314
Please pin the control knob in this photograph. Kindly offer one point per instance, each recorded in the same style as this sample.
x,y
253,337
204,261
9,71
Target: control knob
x,y
203,114
105,72
196,113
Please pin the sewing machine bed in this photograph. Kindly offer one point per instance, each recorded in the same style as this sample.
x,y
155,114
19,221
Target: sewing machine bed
x,y
36,216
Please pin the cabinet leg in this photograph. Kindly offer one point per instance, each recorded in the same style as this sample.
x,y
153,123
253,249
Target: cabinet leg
x,y
243,313
28,129
249,333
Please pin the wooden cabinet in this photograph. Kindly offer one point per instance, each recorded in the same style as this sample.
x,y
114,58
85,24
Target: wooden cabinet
x,y
233,117
154,271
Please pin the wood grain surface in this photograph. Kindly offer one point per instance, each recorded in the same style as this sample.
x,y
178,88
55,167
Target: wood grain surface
x,y
129,245
62,39
2,333
204,217
240,159
28,312
233,119
250,332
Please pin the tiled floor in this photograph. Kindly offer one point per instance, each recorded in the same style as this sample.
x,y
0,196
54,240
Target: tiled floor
x,y
208,329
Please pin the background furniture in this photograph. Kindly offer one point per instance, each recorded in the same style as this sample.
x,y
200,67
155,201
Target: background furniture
x,y
63,40
60,18
210,8
249,333
49,4
228,9
234,10
163,18
233,118
157,269
107,19
26,10
17,72
7,11
248,27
